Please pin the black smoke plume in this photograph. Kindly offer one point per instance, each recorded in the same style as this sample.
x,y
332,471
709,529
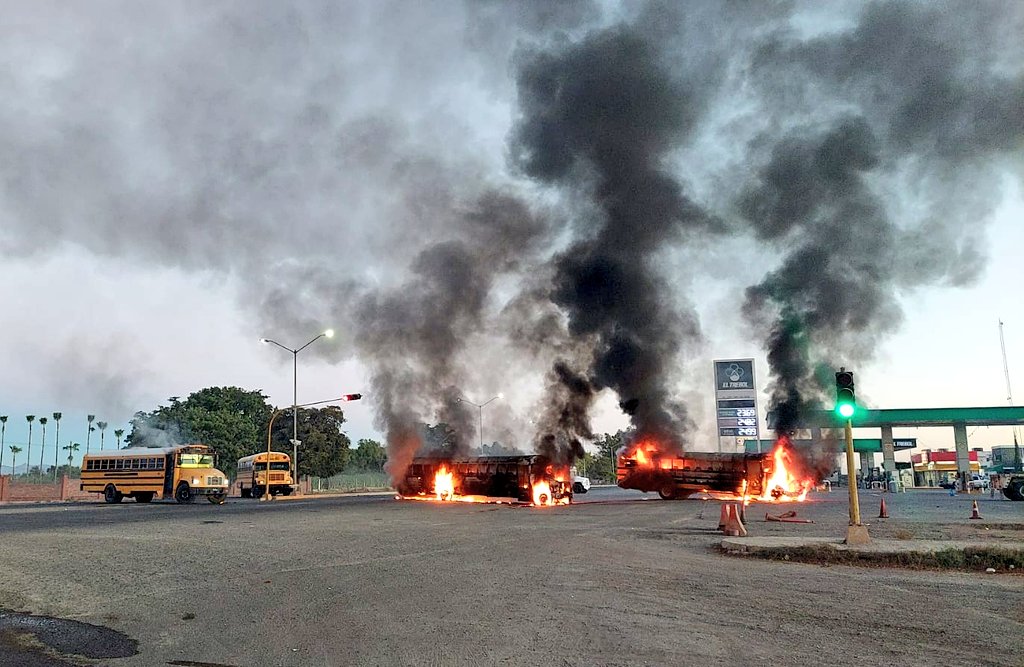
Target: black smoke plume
x,y
598,118
412,336
918,98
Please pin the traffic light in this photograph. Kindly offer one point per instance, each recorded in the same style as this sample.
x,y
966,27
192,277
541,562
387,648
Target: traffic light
x,y
846,399
351,397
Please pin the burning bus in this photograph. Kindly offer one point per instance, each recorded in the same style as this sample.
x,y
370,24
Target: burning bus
x,y
531,478
774,476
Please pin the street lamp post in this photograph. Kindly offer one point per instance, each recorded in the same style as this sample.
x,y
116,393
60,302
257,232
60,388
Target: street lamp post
x,y
480,407
270,430
295,397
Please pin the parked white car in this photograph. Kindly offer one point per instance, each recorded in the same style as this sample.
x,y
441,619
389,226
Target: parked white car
x,y
978,482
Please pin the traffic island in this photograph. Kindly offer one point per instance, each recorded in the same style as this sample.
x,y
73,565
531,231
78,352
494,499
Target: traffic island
x,y
914,554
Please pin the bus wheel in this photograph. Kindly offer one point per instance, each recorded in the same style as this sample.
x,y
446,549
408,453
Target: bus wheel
x,y
217,498
144,497
183,494
667,491
112,495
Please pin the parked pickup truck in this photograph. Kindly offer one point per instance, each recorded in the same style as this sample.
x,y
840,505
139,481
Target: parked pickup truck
x,y
580,484
978,482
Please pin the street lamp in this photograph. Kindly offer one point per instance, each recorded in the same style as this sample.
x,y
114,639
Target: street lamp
x,y
270,429
329,333
480,406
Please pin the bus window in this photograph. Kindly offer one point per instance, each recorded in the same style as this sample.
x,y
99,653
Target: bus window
x,y
195,460
274,465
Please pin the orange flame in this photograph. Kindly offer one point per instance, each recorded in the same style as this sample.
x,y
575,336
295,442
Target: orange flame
x,y
444,484
785,484
542,493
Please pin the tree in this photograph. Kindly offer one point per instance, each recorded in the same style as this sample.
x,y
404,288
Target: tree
x,y
498,449
439,439
3,435
28,455
231,420
324,449
56,443
118,432
607,446
15,450
71,448
368,456
90,419
42,447
103,429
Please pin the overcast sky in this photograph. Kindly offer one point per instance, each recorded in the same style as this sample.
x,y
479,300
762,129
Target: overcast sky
x,y
183,179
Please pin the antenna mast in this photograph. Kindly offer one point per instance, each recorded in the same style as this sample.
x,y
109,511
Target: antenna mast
x,y
1006,368
1017,463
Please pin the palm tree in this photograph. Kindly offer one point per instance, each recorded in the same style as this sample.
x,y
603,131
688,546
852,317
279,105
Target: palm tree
x,y
15,450
103,429
71,449
118,432
28,466
42,447
3,432
56,444
90,419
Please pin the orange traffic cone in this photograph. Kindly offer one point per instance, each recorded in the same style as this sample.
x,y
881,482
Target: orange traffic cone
x,y
723,519
743,514
975,514
734,527
883,511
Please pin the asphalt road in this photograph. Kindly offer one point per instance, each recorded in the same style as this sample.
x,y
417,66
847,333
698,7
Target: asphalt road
x,y
615,580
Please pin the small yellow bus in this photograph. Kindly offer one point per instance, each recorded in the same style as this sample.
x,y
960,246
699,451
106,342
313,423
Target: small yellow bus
x,y
144,473
252,475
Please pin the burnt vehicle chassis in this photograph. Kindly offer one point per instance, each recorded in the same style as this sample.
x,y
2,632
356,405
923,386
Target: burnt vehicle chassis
x,y
681,476
490,476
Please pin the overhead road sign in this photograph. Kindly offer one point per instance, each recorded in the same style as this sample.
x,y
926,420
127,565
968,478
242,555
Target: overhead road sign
x,y
1008,415
865,445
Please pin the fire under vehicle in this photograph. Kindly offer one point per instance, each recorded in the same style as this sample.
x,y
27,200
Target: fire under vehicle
x,y
682,475
530,478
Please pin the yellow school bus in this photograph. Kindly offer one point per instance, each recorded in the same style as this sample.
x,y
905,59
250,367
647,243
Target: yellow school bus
x,y
144,473
252,474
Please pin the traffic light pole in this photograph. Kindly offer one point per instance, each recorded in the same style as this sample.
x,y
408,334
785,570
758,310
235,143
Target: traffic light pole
x,y
856,533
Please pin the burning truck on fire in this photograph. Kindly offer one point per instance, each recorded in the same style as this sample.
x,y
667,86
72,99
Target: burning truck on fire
x,y
771,476
530,478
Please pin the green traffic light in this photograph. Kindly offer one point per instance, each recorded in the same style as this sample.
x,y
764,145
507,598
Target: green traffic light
x,y
845,410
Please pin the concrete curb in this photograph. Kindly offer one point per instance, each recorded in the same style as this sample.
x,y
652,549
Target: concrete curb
x,y
754,545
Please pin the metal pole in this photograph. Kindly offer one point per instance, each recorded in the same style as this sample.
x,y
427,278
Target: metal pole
x,y
481,427
266,470
295,422
56,452
851,477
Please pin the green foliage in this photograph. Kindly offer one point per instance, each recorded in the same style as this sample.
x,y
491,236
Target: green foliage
x,y
602,466
324,450
368,456
439,439
231,420
497,449
73,472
